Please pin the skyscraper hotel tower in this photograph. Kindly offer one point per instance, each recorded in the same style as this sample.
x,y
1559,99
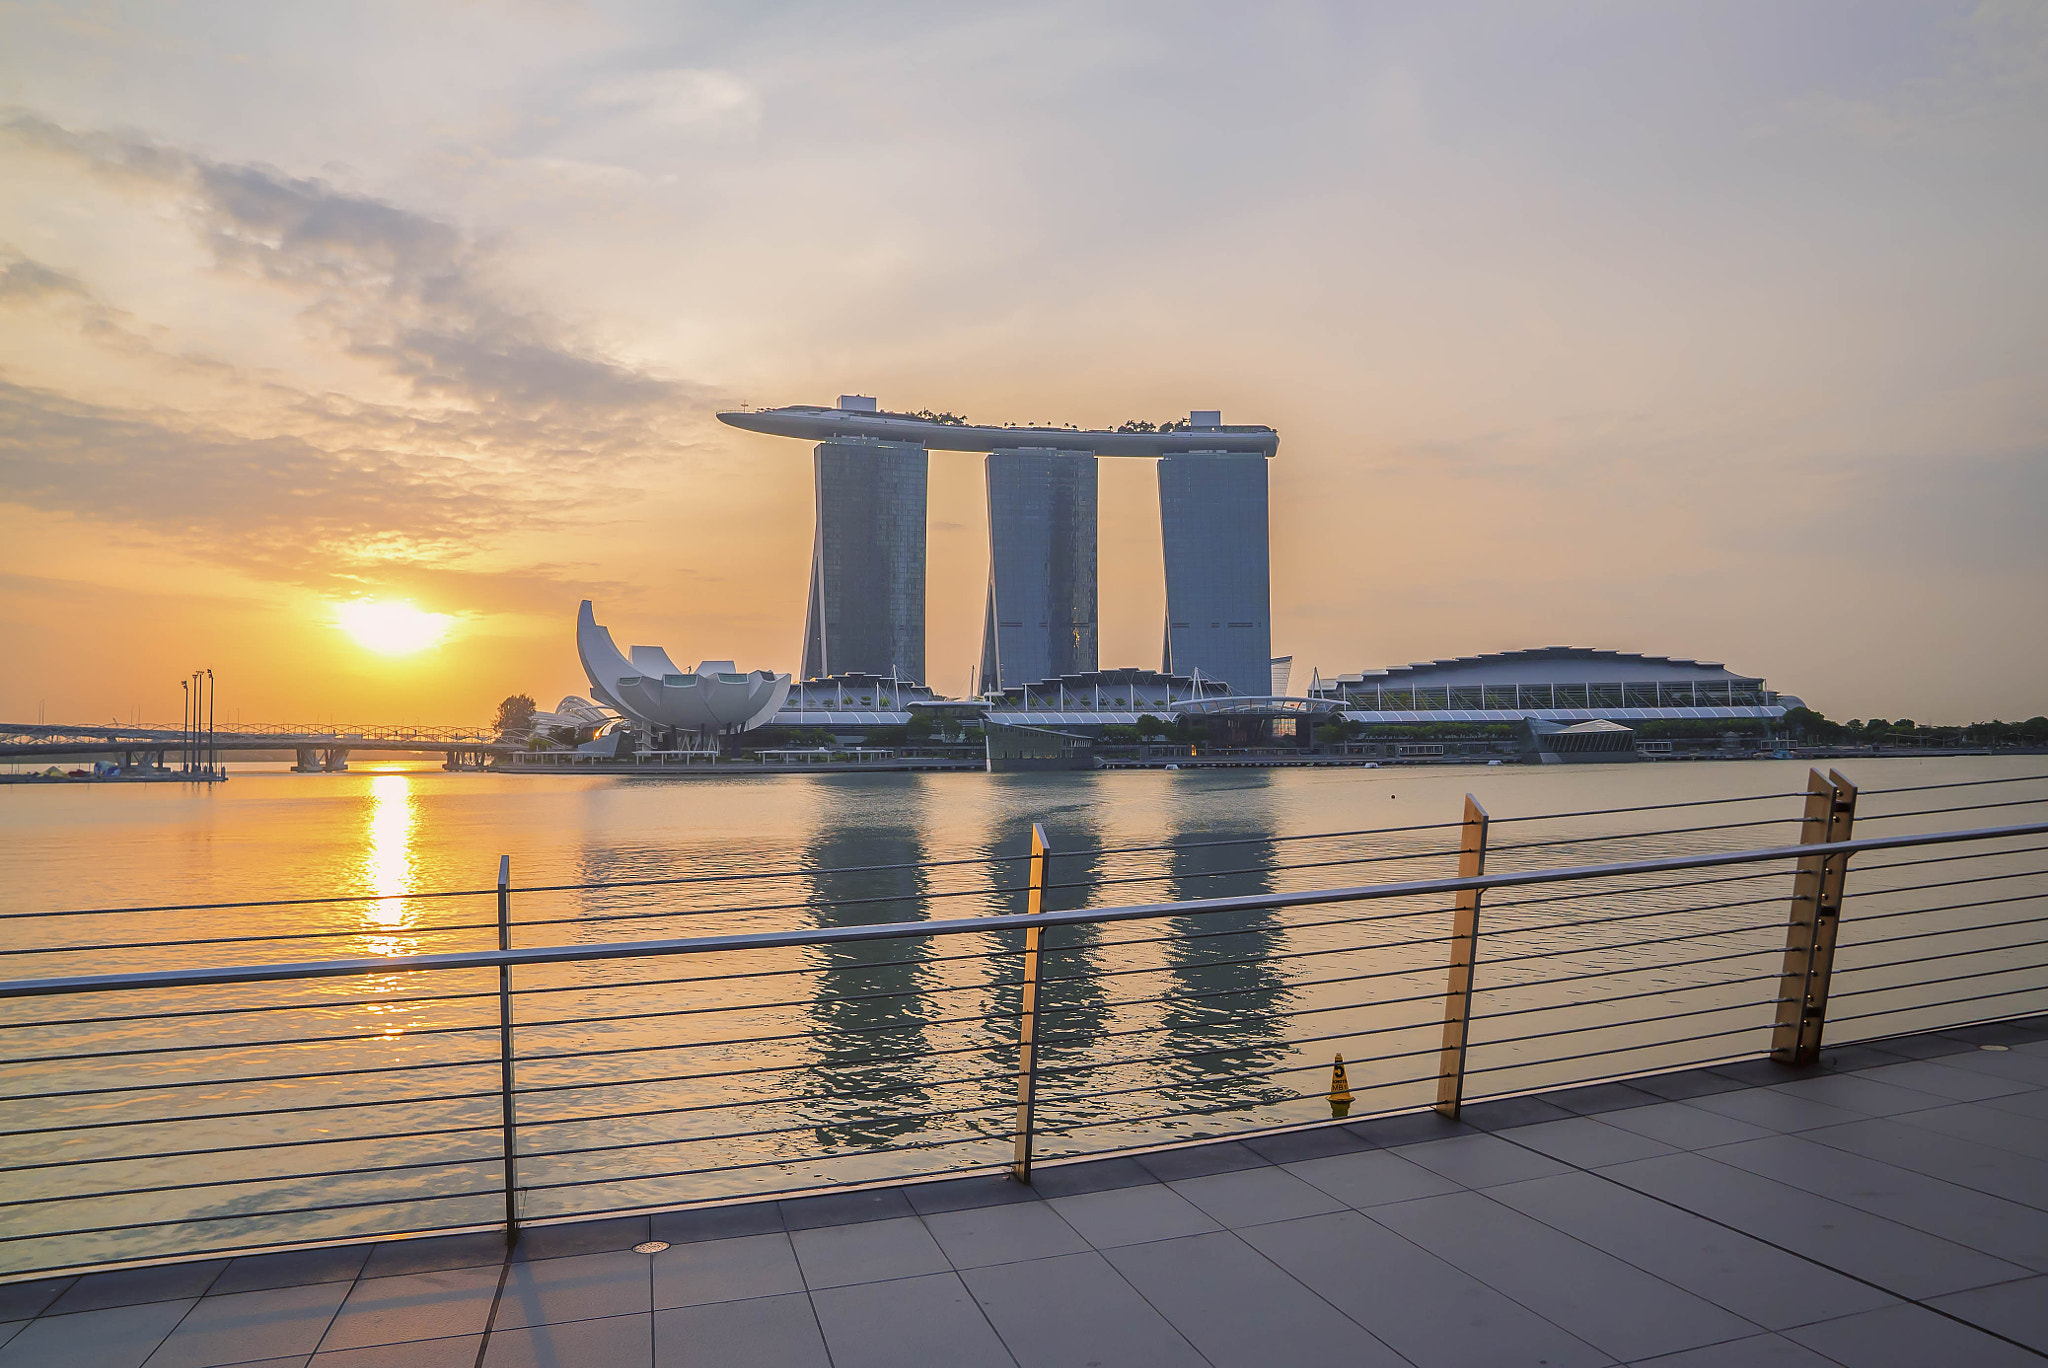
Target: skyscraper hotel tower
x,y
867,563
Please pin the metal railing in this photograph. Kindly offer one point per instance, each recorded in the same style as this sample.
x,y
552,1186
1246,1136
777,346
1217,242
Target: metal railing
x,y
172,1112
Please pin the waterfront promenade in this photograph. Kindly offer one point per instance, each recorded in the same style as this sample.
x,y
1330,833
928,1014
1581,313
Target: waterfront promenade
x,y
1887,1206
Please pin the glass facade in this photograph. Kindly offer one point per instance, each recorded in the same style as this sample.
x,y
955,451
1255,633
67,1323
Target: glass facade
x,y
1212,520
866,609
1040,617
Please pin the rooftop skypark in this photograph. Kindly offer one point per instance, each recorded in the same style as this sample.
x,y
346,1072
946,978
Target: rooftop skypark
x,y
857,416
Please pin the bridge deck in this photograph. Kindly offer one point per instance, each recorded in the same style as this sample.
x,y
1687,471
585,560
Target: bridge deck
x,y
1888,1207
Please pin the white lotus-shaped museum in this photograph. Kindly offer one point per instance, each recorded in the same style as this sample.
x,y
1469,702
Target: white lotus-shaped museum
x,y
650,689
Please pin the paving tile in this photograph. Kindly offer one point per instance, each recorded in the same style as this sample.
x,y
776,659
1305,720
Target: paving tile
x,y
1974,1219
1511,1111
1477,1161
2016,1310
19,1301
415,1306
1100,1318
610,1342
1908,1337
1097,1175
1409,1129
762,1332
867,1252
1599,1098
580,1237
456,1351
1236,1306
1760,1073
845,1208
1255,1196
930,1320
292,1268
725,1270
964,1194
132,1286
2015,1177
1292,1146
1684,1127
1925,1046
109,1337
1758,1351
1198,1161
1676,1087
1943,1080
2017,1066
1993,1033
9,1329
1897,1258
274,1323
716,1223
1372,1178
1755,1281
1129,1215
1856,1057
1004,1234
1421,1307
1861,1093
435,1253
1586,1142
1602,1300
1987,1123
1774,1110
2030,1104
580,1287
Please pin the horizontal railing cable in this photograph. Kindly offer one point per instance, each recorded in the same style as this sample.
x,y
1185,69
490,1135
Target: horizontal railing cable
x,y
1252,840
376,1137
265,1112
1644,807
315,1005
1963,783
1493,850
763,940
1972,1000
1936,812
1553,1060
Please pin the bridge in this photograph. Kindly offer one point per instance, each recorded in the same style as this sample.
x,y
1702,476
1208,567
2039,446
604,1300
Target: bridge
x,y
319,747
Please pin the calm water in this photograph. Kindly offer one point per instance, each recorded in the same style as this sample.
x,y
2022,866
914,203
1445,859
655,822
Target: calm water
x,y
679,1080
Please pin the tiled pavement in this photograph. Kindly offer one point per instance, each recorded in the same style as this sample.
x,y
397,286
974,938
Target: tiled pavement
x,y
1887,1208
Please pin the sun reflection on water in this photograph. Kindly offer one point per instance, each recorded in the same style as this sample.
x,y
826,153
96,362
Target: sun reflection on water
x,y
388,866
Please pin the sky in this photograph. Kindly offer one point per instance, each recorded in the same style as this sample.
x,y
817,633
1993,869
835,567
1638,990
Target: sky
x,y
1716,330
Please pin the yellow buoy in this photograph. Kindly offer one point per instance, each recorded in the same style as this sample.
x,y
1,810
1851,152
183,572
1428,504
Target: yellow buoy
x,y
1340,1089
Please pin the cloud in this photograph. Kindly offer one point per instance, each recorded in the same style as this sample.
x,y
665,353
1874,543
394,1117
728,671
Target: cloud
x,y
502,418
682,100
407,291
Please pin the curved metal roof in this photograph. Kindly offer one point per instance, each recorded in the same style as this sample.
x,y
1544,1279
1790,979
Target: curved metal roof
x,y
1623,660
818,424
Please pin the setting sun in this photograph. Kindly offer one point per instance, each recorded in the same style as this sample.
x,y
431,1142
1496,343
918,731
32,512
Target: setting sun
x,y
392,628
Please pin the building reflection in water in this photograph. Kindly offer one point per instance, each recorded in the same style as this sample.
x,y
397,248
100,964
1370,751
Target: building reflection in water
x,y
1073,999
1225,996
869,1068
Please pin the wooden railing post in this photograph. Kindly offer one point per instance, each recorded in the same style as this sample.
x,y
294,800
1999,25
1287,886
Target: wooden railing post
x,y
1817,886
1027,1012
1450,1080
505,1053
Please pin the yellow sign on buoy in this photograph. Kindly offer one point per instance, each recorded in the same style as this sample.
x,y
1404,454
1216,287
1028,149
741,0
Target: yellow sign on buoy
x,y
1340,1089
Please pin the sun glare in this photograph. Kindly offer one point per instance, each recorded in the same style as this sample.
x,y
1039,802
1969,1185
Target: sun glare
x,y
392,628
